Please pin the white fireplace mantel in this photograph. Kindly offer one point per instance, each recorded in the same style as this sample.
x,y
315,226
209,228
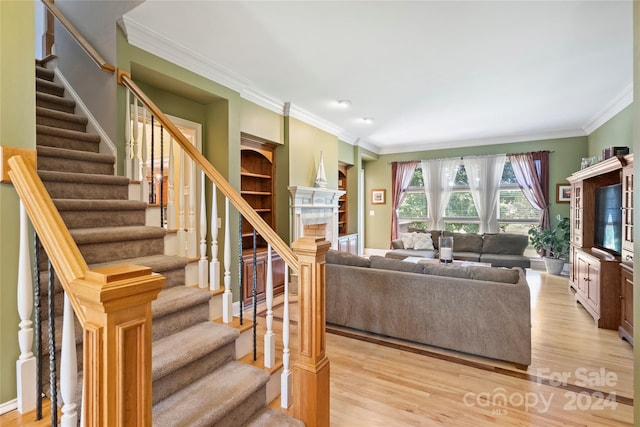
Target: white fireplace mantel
x,y
314,205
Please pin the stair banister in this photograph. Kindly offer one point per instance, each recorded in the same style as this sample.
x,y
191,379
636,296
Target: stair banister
x,y
112,304
225,188
84,44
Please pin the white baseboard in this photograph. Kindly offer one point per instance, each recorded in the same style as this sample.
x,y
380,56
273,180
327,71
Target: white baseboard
x,y
9,406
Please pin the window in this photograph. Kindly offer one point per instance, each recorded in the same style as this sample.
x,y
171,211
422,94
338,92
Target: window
x,y
515,213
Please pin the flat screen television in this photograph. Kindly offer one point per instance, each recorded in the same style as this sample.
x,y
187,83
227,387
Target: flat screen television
x,y
608,218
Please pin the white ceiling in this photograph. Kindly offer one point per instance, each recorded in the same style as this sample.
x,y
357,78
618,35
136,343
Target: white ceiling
x,y
432,74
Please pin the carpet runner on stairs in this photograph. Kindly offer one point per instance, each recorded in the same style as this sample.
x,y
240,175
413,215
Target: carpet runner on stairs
x,y
196,379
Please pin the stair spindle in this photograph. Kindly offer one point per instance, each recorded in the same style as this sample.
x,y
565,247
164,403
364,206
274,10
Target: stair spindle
x,y
240,268
182,238
38,326
68,367
286,378
214,266
269,336
203,264
53,373
135,145
127,136
254,298
152,184
144,188
171,206
26,364
192,244
161,175
227,301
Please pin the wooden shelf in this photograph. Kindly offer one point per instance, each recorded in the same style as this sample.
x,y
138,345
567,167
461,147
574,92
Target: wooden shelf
x,y
255,193
255,175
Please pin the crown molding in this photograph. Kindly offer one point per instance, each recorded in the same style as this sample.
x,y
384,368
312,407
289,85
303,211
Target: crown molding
x,y
310,118
263,100
507,139
617,104
142,37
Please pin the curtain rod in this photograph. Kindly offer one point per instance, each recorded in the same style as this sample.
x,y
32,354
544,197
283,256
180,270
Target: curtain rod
x,y
462,158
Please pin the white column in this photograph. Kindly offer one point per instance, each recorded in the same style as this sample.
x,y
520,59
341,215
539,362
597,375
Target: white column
x,y
286,378
171,206
68,368
227,297
214,266
182,237
192,239
203,264
269,337
26,363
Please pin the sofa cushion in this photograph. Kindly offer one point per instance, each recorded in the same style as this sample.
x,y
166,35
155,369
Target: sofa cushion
x,y
403,253
504,243
345,258
467,242
489,274
499,260
466,256
384,263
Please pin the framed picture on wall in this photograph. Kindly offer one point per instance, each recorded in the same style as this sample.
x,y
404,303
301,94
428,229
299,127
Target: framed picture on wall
x,y
378,197
563,193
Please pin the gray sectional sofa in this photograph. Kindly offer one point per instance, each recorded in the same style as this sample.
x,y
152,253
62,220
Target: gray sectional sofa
x,y
499,249
478,310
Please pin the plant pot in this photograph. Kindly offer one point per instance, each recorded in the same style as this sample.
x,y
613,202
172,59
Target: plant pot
x,y
554,265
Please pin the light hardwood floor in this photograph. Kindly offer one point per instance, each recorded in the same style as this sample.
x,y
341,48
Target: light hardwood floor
x,y
376,381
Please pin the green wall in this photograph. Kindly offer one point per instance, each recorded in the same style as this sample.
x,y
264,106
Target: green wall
x,y
258,121
17,129
564,159
305,144
616,132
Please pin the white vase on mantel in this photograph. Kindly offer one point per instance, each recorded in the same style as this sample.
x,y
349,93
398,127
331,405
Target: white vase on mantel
x,y
321,177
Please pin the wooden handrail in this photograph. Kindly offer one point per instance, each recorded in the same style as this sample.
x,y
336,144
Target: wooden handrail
x,y
223,185
84,44
63,252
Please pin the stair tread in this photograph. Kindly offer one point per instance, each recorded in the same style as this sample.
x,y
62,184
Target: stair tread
x,y
178,298
42,71
157,263
98,205
48,83
177,350
85,178
43,96
66,153
66,133
115,234
218,393
273,418
61,115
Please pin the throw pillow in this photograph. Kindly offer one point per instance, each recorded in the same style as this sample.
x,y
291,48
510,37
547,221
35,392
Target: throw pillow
x,y
423,241
408,239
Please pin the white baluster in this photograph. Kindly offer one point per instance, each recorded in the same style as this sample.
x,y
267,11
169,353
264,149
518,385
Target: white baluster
x,y
144,186
182,238
226,296
127,137
203,264
135,146
214,265
192,243
171,206
286,378
26,363
68,368
269,337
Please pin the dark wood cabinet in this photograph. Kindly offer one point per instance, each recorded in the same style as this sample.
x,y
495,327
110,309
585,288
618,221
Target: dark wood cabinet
x,y
625,330
260,266
257,187
343,205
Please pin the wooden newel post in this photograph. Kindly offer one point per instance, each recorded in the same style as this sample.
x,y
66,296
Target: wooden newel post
x,y
311,370
117,344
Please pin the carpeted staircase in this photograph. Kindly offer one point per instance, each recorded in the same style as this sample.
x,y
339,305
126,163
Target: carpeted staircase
x,y
196,378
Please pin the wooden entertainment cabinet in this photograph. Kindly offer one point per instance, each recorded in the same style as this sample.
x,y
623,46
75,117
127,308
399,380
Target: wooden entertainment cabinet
x,y
603,282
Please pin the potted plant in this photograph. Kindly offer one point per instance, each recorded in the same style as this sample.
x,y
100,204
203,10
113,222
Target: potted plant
x,y
553,244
